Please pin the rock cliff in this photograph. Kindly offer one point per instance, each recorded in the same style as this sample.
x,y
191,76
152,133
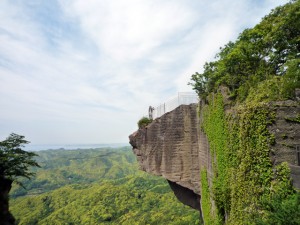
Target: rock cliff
x,y
169,147
175,147
286,130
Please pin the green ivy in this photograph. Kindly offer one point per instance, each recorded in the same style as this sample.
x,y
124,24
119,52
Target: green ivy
x,y
253,175
245,183
215,128
207,212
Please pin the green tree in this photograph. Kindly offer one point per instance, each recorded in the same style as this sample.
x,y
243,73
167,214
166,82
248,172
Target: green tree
x,y
268,50
14,163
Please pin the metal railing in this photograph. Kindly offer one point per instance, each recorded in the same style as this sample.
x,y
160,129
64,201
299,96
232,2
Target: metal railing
x,y
183,98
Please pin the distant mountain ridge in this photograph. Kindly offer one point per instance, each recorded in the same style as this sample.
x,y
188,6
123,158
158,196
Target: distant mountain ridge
x,y
42,147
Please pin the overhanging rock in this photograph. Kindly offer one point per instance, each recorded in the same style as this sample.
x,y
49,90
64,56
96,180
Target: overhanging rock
x,y
168,147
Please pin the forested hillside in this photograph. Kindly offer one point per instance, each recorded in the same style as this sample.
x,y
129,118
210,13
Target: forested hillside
x,y
96,186
62,167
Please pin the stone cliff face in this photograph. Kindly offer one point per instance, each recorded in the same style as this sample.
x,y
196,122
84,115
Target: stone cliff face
x,y
169,147
175,147
286,130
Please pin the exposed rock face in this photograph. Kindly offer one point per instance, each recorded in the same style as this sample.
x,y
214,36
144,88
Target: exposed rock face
x,y
169,147
174,147
185,195
286,130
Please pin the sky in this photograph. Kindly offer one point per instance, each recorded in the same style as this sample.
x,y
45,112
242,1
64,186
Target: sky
x,y
85,71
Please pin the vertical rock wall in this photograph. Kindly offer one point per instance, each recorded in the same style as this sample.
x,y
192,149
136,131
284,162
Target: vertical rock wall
x,y
169,147
174,147
286,130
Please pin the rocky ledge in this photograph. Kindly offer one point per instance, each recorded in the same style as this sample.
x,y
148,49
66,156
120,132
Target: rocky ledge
x,y
168,147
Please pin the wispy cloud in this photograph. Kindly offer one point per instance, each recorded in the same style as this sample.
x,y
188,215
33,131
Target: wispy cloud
x,y
75,71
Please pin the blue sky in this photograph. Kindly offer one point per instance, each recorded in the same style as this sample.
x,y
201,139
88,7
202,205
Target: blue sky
x,y
85,71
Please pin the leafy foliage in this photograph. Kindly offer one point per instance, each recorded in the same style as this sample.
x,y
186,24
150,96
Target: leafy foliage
x,y
15,162
206,201
133,200
282,211
246,185
270,49
108,189
143,122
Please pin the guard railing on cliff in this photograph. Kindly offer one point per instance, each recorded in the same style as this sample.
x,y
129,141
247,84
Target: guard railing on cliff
x,y
183,98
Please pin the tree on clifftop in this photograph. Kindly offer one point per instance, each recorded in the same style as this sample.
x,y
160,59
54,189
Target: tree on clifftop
x,y
264,57
14,163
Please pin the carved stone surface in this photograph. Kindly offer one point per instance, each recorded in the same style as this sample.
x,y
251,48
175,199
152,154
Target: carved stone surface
x,y
286,130
168,147
174,147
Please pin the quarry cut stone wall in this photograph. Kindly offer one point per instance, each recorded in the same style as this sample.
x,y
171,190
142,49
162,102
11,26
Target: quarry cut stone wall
x,y
169,147
286,130
174,147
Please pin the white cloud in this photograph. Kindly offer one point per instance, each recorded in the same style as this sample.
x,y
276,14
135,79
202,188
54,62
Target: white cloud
x,y
129,30
85,71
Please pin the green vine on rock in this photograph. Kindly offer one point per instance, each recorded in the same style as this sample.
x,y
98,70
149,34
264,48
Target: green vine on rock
x,y
207,210
254,173
246,185
215,128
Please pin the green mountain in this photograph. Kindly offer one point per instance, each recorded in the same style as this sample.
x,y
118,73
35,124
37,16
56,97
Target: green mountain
x,y
63,167
96,186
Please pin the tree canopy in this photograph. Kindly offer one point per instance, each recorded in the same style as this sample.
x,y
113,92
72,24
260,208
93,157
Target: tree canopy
x,y
14,161
267,53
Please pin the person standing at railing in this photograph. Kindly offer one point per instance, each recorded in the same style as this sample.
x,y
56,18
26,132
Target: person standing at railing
x,y
151,109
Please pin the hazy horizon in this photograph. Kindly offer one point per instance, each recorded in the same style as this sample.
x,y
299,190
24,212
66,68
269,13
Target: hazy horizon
x,y
43,147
